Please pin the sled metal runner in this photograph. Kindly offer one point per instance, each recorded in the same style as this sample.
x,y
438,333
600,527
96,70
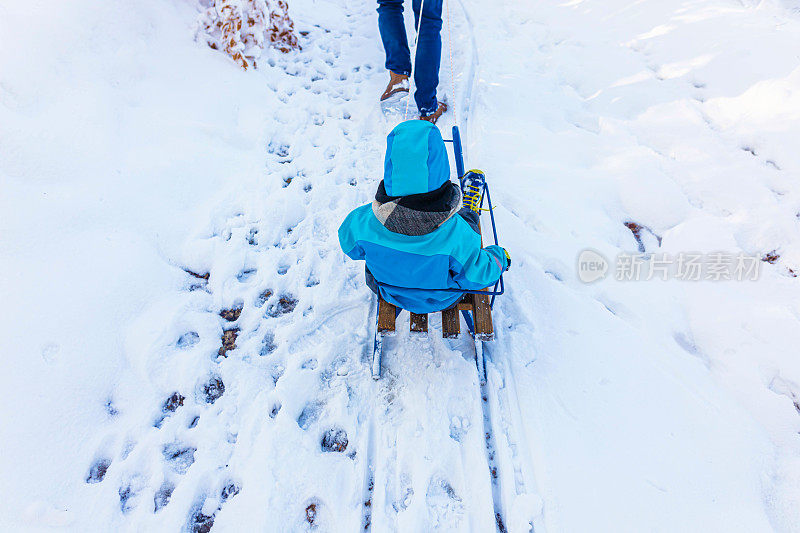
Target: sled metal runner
x,y
475,305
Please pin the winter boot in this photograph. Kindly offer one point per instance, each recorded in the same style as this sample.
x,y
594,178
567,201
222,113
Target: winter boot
x,y
433,117
472,189
398,83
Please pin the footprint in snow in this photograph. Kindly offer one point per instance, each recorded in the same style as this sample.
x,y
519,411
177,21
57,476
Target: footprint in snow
x,y
198,281
445,507
313,516
162,496
200,522
310,414
334,440
179,456
98,470
459,426
405,494
170,405
111,408
203,514
276,408
268,344
285,305
187,340
252,237
212,390
263,297
129,494
276,372
245,275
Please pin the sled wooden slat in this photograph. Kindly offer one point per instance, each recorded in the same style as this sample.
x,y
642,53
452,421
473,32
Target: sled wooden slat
x,y
451,325
419,323
465,304
484,329
386,316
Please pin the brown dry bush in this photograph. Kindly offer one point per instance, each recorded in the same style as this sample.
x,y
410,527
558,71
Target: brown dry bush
x,y
243,28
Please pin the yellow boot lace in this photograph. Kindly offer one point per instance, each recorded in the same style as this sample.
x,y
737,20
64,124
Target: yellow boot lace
x,y
473,193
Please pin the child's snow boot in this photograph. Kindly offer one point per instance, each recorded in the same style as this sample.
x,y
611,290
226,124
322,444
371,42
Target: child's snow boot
x,y
472,189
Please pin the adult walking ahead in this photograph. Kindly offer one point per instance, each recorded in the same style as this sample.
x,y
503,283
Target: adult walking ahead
x,y
428,53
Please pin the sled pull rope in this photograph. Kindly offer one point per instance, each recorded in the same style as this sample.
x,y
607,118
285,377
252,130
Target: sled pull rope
x,y
450,54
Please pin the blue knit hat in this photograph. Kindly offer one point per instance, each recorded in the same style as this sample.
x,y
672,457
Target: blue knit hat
x,y
416,159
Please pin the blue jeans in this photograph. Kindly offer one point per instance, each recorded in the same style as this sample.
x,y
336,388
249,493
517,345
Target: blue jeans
x,y
429,46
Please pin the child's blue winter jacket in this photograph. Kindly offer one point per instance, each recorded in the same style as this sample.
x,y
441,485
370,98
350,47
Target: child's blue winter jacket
x,y
412,236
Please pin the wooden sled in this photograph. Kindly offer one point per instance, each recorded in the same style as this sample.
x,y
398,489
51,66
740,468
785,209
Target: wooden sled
x,y
477,314
475,304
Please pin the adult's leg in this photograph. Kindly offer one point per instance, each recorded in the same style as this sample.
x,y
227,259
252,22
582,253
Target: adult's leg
x,y
393,35
429,53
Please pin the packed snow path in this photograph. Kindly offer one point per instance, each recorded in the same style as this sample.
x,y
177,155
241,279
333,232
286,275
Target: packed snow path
x,y
221,380
264,412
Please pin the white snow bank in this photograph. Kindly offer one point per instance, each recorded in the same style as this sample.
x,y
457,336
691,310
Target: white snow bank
x,y
649,405
117,134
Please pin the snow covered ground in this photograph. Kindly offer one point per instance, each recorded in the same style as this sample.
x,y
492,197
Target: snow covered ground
x,y
186,347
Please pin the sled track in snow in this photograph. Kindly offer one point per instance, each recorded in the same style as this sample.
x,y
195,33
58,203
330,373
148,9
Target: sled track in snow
x,y
494,402
499,422
502,419
491,453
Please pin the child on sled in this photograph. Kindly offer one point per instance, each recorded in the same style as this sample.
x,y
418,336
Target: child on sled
x,y
417,237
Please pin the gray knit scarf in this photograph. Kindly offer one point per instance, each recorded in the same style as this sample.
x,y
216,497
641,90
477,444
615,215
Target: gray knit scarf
x,y
416,214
